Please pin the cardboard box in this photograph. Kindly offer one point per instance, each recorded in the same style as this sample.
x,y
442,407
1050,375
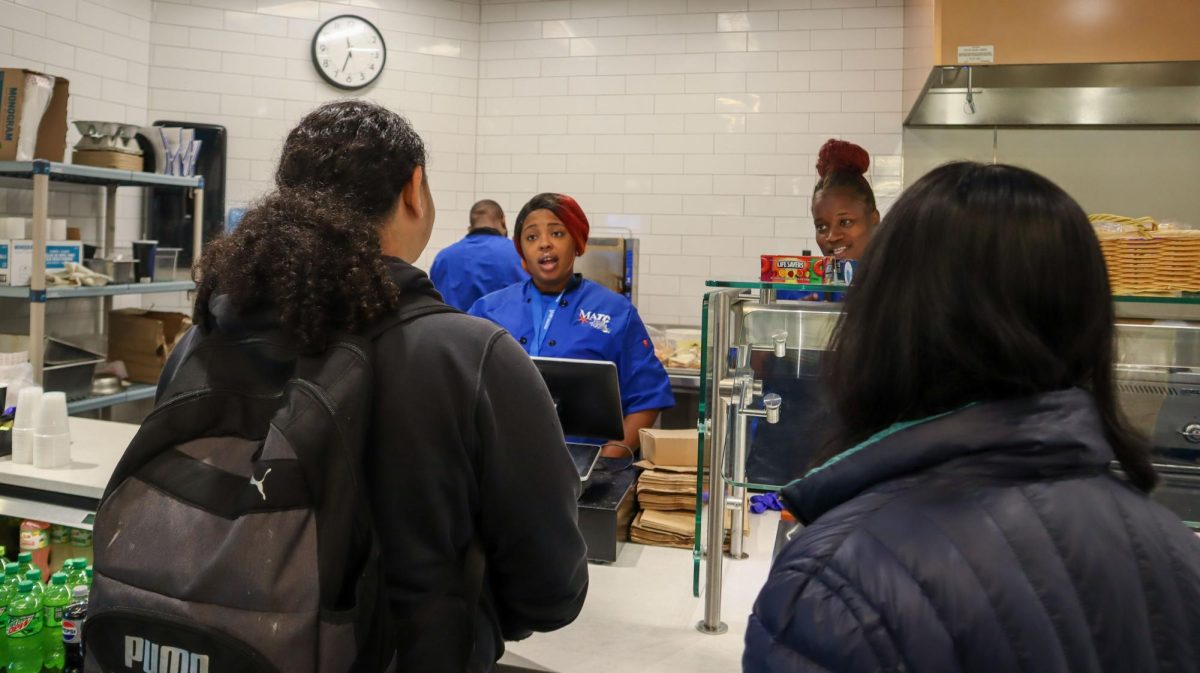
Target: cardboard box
x,y
20,259
143,339
52,131
670,447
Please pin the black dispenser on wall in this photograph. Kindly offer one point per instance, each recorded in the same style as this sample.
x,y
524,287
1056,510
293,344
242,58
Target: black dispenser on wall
x,y
168,217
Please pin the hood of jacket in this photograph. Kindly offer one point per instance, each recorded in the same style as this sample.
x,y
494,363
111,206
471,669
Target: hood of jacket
x,y
1050,435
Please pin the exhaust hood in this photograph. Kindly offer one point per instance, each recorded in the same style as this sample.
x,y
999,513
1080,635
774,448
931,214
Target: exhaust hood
x,y
1071,94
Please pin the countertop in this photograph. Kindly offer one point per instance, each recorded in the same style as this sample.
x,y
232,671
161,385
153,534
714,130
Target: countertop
x,y
96,446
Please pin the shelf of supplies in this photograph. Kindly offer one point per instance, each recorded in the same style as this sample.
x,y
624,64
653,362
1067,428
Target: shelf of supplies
x,y
91,175
134,393
101,290
1184,298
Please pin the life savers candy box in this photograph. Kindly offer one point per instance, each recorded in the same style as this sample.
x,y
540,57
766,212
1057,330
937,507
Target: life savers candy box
x,y
803,270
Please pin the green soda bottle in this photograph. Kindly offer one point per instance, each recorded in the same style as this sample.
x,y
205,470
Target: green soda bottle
x,y
24,631
76,575
35,576
12,577
7,593
25,562
89,575
54,603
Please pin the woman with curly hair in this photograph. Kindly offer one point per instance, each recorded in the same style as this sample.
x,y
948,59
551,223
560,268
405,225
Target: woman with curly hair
x,y
464,449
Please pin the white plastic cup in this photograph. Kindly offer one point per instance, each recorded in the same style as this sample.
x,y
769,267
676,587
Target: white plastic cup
x,y
51,416
29,403
51,451
52,435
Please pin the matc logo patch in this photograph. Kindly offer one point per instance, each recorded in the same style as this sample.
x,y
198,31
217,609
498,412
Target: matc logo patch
x,y
595,320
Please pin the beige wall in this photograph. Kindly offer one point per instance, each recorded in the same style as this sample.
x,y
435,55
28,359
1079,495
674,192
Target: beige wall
x,y
1070,31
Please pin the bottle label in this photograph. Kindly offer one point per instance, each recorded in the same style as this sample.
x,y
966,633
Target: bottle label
x,y
32,540
59,535
72,630
54,616
81,538
25,626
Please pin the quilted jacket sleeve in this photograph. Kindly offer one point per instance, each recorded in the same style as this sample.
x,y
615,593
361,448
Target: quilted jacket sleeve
x,y
810,619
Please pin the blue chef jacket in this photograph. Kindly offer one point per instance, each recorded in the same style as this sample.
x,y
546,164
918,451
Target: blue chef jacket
x,y
590,322
482,262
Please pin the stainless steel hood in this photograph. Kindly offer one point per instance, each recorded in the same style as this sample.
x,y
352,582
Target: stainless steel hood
x,y
1075,94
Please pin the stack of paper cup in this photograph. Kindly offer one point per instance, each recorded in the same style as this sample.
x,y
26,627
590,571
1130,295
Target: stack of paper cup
x,y
52,436
28,402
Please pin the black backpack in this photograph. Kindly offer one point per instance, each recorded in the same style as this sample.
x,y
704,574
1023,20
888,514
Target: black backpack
x,y
236,533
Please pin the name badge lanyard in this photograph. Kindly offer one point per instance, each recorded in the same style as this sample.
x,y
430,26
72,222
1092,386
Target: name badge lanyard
x,y
541,322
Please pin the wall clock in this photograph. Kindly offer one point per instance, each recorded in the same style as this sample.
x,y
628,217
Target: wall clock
x,y
348,51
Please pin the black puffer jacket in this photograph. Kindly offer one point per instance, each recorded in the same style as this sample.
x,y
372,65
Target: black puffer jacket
x,y
990,539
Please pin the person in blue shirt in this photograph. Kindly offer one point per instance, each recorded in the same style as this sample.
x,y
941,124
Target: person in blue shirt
x,y
480,263
557,313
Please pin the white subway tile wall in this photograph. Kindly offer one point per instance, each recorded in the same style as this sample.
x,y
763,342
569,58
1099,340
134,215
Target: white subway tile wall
x,y
248,67
693,123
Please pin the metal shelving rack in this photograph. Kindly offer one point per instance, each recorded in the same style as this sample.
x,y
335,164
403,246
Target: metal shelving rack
x,y
42,173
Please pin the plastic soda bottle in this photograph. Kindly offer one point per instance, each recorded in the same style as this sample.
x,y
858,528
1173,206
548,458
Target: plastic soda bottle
x,y
24,631
35,539
74,570
54,604
36,580
7,592
81,543
25,562
72,630
12,577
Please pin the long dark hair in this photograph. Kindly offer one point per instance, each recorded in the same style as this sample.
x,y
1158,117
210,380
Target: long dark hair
x,y
981,283
311,247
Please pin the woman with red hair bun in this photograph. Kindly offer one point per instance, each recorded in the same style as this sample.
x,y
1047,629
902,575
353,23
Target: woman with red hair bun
x,y
557,313
843,203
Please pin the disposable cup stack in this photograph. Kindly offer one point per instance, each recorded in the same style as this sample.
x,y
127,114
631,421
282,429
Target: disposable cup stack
x,y
52,436
28,402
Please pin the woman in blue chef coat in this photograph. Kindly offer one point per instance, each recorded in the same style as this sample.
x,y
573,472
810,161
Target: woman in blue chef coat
x,y
557,313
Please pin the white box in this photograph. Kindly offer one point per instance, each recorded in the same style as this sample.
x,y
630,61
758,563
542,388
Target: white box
x,y
5,246
20,259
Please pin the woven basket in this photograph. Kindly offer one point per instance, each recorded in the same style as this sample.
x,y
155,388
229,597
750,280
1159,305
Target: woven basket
x,y
1144,259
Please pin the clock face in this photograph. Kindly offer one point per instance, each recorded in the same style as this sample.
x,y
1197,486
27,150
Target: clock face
x,y
348,52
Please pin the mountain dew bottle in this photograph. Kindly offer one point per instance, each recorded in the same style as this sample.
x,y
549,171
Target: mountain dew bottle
x,y
24,631
12,577
7,593
35,577
54,604
74,570
25,561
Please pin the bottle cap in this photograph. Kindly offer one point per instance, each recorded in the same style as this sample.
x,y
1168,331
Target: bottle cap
x,y
25,557
78,563
12,569
89,572
25,586
79,591
33,574
58,578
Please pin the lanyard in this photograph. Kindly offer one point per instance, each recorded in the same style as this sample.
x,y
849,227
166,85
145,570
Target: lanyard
x,y
542,329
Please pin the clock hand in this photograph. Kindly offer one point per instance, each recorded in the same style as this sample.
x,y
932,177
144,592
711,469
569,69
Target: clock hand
x,y
347,61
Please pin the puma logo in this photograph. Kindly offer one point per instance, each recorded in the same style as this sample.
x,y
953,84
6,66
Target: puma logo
x,y
258,483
